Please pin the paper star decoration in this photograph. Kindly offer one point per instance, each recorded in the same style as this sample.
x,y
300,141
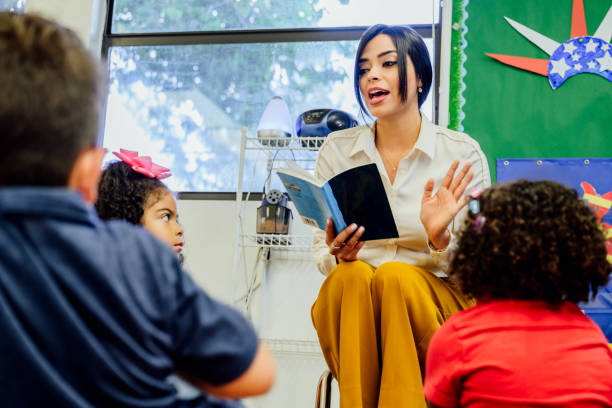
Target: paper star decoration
x,y
580,54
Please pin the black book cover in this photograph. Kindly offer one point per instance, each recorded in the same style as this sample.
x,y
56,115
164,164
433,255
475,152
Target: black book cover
x,y
362,200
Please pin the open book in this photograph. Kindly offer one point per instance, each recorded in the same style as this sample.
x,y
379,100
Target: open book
x,y
355,196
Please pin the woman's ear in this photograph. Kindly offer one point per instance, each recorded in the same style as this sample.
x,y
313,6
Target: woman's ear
x,y
85,174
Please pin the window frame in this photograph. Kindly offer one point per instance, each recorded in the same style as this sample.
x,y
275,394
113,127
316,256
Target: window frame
x,y
270,35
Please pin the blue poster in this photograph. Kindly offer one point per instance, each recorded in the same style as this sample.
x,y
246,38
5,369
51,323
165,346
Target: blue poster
x,y
592,179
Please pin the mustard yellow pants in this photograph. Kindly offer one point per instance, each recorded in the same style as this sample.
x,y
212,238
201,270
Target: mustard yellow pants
x,y
374,327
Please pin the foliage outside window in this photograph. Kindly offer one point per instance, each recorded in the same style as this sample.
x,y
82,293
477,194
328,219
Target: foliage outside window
x,y
186,75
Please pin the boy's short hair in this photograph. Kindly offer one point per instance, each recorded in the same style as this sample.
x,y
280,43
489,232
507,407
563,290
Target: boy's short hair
x,y
51,96
539,241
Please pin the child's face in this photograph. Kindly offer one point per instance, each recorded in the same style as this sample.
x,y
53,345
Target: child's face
x,y
161,220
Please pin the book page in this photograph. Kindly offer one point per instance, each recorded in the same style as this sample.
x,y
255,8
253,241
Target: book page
x,y
295,170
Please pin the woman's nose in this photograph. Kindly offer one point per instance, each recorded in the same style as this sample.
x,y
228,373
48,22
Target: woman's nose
x,y
373,74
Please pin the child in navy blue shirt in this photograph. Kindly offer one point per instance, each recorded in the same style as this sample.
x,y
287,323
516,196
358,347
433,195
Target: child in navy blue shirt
x,y
132,190
92,313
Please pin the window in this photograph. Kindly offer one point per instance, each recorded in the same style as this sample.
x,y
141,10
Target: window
x,y
15,6
185,76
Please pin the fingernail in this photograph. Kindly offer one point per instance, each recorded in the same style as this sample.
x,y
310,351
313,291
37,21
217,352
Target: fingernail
x,y
353,227
328,221
361,229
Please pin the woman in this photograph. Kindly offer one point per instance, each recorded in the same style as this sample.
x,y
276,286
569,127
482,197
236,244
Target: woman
x,y
383,300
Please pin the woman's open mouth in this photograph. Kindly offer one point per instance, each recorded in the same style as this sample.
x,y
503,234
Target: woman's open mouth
x,y
377,95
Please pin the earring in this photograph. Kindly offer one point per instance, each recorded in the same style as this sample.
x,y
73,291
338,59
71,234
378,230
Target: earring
x,y
420,90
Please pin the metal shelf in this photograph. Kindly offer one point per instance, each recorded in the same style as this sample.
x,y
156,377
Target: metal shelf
x,y
290,248
284,143
277,241
294,347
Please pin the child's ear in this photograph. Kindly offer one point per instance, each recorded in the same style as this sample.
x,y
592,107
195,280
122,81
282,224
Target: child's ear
x,y
85,174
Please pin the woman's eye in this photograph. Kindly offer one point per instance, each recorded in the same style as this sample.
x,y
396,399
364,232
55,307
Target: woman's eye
x,y
389,63
166,217
363,71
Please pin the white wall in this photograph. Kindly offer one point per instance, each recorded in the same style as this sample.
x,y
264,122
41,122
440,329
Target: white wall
x,y
281,307
85,17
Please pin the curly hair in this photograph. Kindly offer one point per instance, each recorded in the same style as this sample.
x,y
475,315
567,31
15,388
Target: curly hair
x,y
124,193
539,241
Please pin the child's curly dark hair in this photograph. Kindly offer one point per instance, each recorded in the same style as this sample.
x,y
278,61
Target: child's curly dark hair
x,y
124,193
539,241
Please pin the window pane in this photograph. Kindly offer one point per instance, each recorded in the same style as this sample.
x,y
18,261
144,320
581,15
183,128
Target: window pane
x,y
15,6
184,105
146,16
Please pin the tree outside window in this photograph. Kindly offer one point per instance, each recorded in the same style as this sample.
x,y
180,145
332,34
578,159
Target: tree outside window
x,y
184,102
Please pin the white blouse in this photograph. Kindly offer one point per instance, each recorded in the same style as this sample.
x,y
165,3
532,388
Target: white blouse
x,y
434,151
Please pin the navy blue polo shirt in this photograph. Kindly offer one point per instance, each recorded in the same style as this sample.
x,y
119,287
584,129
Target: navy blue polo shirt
x,y
96,314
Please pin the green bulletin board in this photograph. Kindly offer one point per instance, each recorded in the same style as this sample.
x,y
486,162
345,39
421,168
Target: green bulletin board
x,y
514,113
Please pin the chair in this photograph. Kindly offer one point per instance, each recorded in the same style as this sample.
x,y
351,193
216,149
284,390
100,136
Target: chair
x,y
324,390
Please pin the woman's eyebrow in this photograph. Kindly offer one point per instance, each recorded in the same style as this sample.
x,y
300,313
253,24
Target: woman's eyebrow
x,y
382,54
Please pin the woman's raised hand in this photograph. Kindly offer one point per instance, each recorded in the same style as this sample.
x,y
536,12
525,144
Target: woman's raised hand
x,y
343,249
438,210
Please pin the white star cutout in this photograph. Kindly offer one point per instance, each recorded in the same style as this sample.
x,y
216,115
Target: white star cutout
x,y
575,57
591,64
605,62
591,46
605,47
569,47
560,67
577,67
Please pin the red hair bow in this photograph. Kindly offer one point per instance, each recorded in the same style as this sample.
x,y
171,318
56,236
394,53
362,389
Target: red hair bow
x,y
143,165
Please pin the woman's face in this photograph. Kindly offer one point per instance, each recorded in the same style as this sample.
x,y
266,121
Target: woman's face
x,y
379,79
161,220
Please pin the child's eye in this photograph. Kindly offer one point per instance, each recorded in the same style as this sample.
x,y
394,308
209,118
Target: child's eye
x,y
166,217
389,63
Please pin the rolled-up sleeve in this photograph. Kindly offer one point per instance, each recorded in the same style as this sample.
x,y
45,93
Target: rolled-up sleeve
x,y
211,340
481,180
480,168
325,262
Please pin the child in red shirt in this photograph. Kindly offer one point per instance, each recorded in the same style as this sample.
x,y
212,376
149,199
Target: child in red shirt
x,y
528,253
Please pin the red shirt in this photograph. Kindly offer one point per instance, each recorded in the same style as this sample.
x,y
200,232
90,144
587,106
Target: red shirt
x,y
519,353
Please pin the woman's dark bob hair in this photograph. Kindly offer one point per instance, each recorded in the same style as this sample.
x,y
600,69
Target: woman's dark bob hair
x,y
408,43
539,241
